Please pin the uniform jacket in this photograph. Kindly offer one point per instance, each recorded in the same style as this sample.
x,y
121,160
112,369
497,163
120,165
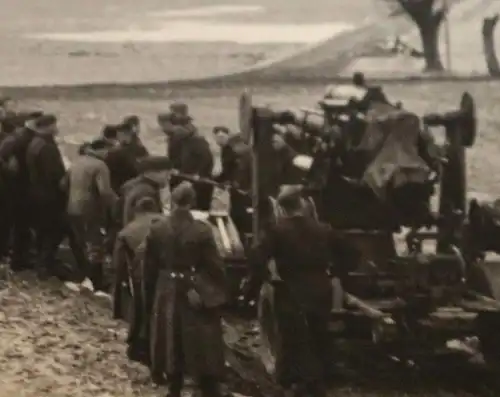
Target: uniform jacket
x,y
236,159
46,170
14,146
176,246
191,154
301,249
137,148
127,258
122,165
90,192
284,172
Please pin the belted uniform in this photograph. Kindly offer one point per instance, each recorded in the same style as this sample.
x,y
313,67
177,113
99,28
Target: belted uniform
x,y
181,255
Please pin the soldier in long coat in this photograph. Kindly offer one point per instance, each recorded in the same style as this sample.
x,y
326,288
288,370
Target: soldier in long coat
x,y
301,249
188,151
13,156
127,259
183,272
46,171
90,198
147,185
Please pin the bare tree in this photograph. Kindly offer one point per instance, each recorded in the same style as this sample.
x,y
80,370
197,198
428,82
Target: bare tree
x,y
489,25
428,16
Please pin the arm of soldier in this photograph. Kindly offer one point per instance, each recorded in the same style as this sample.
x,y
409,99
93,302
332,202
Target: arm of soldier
x,y
8,147
119,265
258,259
200,160
103,182
51,163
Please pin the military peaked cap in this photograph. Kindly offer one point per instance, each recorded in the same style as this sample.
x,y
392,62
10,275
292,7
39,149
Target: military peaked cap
x,y
154,163
179,108
183,194
131,120
46,120
289,193
164,117
220,128
98,144
145,204
109,131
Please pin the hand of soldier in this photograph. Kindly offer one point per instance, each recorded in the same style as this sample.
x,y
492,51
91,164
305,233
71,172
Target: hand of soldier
x,y
174,172
194,298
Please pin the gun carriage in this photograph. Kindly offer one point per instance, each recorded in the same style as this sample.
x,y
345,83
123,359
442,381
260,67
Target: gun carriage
x,y
373,175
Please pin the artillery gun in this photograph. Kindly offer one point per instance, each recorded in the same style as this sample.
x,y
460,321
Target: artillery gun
x,y
410,296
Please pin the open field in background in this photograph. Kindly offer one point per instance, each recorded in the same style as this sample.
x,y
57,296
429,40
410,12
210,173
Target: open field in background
x,y
66,42
81,119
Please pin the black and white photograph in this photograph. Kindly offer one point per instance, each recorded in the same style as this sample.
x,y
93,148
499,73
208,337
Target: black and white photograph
x,y
250,198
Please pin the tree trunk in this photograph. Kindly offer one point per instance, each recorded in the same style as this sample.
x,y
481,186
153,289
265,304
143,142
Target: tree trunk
x,y
429,33
490,55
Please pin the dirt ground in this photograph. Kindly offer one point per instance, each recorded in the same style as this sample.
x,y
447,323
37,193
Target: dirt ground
x,y
54,343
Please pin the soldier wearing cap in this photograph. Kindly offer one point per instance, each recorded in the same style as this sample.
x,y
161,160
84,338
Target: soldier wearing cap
x,y
153,177
184,277
46,170
122,159
127,260
13,150
90,199
133,124
188,151
301,249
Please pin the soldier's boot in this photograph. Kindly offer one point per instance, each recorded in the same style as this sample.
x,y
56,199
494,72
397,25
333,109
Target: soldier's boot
x,y
96,276
175,385
209,387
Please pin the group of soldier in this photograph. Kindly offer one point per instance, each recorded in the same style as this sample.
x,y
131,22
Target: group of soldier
x,y
166,273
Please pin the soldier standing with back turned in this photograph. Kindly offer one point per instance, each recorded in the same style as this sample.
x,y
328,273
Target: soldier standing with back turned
x,y
46,171
184,277
128,256
302,250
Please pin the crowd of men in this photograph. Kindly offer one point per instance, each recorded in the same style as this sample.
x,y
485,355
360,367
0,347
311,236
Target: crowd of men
x,y
166,275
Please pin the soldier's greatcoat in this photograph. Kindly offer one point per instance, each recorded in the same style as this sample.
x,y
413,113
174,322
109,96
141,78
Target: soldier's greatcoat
x,y
301,249
185,339
128,256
